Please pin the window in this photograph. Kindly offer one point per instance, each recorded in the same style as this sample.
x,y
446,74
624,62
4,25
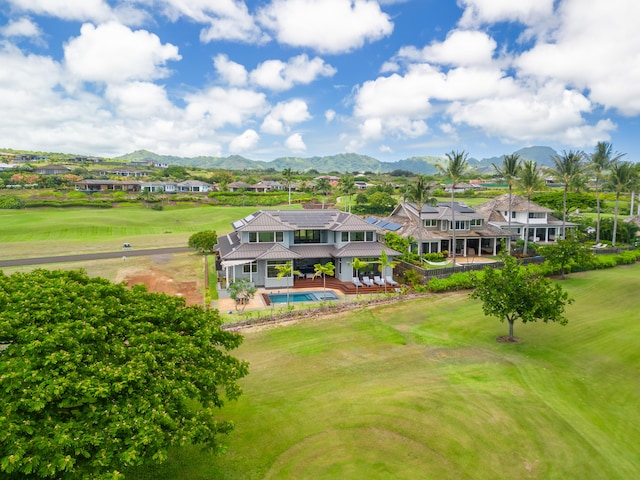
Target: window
x,y
253,237
537,215
513,214
345,236
306,236
279,236
368,237
272,271
265,236
357,236
476,222
461,225
431,223
250,267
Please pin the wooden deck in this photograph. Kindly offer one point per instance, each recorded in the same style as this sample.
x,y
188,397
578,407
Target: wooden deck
x,y
347,288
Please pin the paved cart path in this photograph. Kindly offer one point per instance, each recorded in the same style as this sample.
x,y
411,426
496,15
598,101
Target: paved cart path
x,y
19,262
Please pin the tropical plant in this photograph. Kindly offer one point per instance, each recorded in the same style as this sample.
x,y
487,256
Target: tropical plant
x,y
287,173
567,168
385,262
455,167
509,170
419,193
358,265
347,187
286,271
203,241
323,270
241,292
601,160
513,293
323,188
621,179
565,252
530,180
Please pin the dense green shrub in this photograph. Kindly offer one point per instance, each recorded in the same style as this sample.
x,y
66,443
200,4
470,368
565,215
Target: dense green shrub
x,y
10,202
457,281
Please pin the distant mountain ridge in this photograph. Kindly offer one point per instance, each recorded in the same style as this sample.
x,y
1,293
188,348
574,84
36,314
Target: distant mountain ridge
x,y
342,162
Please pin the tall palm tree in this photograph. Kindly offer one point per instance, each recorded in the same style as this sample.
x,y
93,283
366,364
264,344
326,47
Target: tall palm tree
x,y
454,169
601,160
358,265
323,188
418,192
385,262
287,173
323,270
347,187
509,171
567,168
530,180
621,178
287,271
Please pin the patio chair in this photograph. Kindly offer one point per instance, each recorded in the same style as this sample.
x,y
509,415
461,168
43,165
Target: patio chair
x,y
390,281
356,281
367,281
378,281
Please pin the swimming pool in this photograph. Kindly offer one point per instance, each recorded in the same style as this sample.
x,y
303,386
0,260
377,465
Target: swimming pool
x,y
302,297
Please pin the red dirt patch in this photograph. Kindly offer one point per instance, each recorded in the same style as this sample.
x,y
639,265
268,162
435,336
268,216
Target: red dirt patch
x,y
159,282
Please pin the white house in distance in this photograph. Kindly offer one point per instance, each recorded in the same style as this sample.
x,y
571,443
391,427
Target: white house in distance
x,y
433,226
268,238
541,225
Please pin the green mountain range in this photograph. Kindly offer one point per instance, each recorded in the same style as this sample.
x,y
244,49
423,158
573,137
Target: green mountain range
x,y
341,163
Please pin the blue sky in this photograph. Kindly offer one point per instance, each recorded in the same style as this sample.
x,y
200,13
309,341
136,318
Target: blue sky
x,y
271,78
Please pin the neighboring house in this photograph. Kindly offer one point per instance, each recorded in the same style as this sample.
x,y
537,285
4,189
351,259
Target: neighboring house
x,y
90,186
194,186
269,238
6,166
238,186
159,187
460,187
124,172
52,170
474,236
543,227
271,185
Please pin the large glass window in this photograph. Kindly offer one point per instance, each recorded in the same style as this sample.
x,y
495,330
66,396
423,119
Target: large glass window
x,y
476,222
272,271
368,237
461,225
306,236
268,237
265,236
345,236
357,236
250,267
537,215
431,223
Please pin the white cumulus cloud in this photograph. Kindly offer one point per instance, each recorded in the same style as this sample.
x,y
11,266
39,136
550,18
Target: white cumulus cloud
x,y
244,142
278,75
295,143
231,72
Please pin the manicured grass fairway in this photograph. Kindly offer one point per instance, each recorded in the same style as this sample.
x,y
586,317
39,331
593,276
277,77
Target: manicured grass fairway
x,y
49,231
422,391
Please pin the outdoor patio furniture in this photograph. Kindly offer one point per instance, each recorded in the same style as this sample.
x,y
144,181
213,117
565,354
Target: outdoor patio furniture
x,y
367,281
378,281
390,281
356,281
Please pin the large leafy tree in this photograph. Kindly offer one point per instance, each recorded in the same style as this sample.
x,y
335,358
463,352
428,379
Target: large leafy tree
x,y
622,178
530,180
513,293
509,170
565,252
454,169
203,241
567,168
97,377
601,160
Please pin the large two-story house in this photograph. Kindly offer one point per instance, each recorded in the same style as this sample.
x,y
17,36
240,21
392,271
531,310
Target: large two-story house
x,y
433,228
268,238
527,219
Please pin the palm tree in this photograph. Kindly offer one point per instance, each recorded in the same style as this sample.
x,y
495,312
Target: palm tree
x,y
286,270
347,188
323,187
621,178
530,180
418,193
358,265
324,270
385,262
453,170
567,168
287,173
601,161
509,171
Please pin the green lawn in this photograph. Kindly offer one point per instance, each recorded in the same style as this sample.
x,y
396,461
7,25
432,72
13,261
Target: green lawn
x,y
51,231
421,390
